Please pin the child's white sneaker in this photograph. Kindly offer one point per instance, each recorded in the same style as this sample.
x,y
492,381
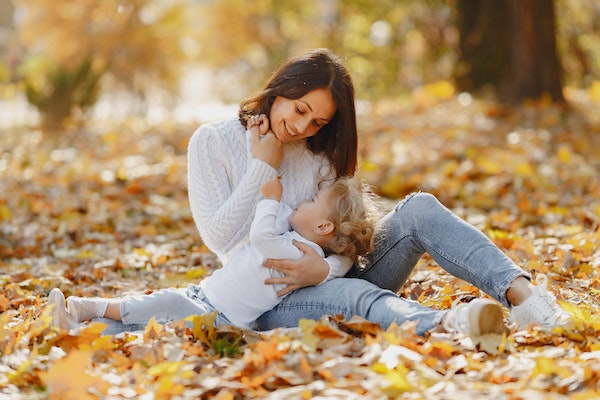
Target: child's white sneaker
x,y
540,309
478,317
60,316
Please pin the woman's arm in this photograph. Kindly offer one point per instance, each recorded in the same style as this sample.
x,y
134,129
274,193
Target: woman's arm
x,y
310,270
223,184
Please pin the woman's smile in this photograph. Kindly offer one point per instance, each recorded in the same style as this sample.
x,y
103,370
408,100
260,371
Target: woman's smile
x,y
288,129
295,119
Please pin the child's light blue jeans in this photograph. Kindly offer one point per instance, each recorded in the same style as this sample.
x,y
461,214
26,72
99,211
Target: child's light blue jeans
x,y
418,224
166,305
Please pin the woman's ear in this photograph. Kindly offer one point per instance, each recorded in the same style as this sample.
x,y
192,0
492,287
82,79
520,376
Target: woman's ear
x,y
324,228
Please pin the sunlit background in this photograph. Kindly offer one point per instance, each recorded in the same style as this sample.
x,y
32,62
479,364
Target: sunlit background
x,y
188,61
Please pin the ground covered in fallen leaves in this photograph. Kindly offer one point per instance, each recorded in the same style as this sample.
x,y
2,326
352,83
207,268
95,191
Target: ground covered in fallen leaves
x,y
102,211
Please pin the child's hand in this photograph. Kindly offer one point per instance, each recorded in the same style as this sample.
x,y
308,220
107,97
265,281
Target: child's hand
x,y
272,188
260,122
264,144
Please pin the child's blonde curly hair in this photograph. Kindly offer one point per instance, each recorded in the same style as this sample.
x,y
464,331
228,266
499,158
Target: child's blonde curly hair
x,y
355,217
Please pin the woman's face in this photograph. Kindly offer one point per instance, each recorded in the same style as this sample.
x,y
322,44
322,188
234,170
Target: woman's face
x,y
301,118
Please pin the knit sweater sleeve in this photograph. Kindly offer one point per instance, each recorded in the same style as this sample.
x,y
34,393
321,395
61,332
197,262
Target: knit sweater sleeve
x,y
223,185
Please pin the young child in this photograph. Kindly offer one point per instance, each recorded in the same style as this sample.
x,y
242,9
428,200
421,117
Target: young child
x,y
340,219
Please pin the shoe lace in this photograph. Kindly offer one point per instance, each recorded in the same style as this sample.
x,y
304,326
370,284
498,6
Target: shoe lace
x,y
456,320
559,314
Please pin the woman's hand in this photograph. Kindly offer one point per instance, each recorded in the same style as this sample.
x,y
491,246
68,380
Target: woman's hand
x,y
265,146
310,270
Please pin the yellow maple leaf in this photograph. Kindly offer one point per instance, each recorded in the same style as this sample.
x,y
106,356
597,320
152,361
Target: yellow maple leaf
x,y
396,381
84,339
564,154
595,91
179,368
547,366
195,273
309,339
5,213
582,315
167,388
440,350
441,90
203,327
585,395
104,343
5,334
18,376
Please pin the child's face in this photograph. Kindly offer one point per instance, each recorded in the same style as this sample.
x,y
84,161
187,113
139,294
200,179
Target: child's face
x,y
312,212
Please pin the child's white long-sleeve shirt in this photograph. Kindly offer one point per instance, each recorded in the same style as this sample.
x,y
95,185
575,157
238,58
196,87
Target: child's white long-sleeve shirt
x,y
238,289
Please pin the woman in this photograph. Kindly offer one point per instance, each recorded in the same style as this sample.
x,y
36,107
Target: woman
x,y
313,136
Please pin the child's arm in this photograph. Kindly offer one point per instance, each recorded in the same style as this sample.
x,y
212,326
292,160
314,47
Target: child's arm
x,y
260,122
272,189
264,236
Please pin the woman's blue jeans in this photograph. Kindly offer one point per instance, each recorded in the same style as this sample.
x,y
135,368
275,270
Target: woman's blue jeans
x,y
418,224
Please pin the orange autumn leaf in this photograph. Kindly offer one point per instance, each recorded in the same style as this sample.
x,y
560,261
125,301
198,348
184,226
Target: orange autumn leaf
x,y
84,338
256,381
271,350
68,378
4,303
153,330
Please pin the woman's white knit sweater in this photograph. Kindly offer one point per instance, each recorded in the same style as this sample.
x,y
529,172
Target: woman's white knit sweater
x,y
224,183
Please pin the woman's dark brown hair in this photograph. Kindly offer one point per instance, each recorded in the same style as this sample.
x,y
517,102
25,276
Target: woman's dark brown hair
x,y
316,69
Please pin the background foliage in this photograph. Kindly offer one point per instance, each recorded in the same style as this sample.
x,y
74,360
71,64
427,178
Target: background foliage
x,y
142,46
107,214
102,210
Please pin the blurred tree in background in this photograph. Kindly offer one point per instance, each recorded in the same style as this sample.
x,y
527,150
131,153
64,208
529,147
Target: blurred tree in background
x,y
75,50
511,46
390,48
6,39
71,45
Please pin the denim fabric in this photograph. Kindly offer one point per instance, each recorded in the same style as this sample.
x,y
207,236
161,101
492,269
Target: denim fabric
x,y
349,297
418,224
166,305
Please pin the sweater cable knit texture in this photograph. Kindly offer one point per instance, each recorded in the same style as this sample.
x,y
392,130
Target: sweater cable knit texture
x,y
224,182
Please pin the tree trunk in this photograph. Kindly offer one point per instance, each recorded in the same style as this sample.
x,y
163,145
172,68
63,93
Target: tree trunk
x,y
6,24
481,23
6,14
510,46
535,67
